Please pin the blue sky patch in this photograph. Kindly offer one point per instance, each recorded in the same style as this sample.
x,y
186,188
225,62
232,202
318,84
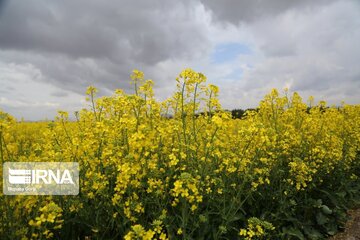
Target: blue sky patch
x,y
228,52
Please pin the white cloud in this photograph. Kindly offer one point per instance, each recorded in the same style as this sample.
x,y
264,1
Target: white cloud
x,y
25,94
311,51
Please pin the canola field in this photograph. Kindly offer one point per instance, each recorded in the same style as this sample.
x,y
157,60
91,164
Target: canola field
x,y
185,169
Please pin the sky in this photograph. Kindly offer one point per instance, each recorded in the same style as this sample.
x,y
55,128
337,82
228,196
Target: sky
x,y
51,51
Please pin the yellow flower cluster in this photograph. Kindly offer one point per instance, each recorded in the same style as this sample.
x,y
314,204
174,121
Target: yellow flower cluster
x,y
186,187
256,229
50,218
138,232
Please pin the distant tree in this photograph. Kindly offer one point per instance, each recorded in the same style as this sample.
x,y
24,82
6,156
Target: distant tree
x,y
237,113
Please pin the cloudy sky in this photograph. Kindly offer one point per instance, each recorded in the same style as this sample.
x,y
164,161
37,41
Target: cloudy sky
x,y
50,51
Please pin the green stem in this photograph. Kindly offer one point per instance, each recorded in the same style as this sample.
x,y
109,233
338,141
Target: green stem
x,y
209,116
194,110
1,148
93,104
182,112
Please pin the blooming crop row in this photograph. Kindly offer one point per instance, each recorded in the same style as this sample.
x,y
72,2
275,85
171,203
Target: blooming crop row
x,y
184,169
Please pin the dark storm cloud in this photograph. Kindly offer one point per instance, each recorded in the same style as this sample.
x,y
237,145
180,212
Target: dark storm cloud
x,y
75,43
235,11
2,5
112,29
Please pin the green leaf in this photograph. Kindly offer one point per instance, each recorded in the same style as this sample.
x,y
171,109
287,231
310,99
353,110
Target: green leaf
x,y
321,219
325,209
313,233
331,229
318,203
341,194
295,232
